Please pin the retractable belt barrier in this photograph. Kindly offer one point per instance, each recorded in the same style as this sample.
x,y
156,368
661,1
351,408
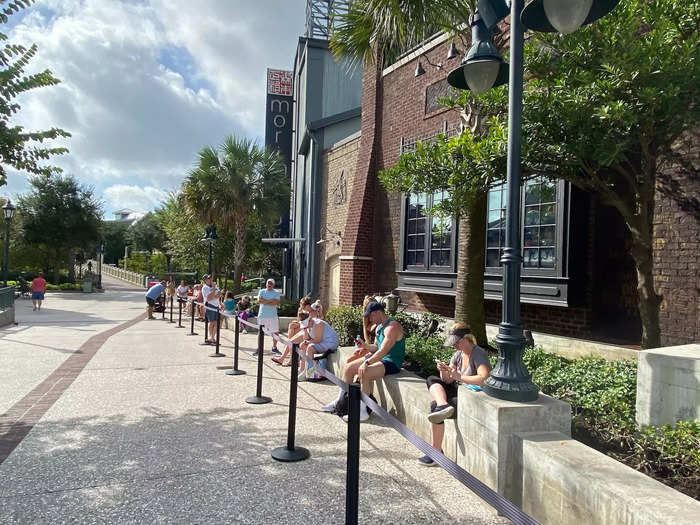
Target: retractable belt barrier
x,y
502,505
291,453
206,330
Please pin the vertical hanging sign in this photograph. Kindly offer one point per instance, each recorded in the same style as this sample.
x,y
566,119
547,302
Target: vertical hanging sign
x,y
278,113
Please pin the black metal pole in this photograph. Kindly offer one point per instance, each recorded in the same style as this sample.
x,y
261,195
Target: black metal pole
x,y
510,379
218,336
290,452
6,266
235,371
179,312
171,309
209,263
164,304
206,325
352,480
192,332
258,398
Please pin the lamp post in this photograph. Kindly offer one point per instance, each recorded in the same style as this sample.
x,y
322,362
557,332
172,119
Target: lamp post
x,y
100,254
209,237
8,211
481,70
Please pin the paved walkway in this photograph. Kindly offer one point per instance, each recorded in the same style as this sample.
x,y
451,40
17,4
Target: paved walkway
x,y
109,418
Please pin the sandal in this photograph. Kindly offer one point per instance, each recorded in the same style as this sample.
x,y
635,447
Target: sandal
x,y
287,363
278,360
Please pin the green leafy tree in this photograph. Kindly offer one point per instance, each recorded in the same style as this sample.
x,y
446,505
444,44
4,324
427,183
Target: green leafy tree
x,y
146,234
613,109
233,183
183,233
466,166
60,216
21,149
114,234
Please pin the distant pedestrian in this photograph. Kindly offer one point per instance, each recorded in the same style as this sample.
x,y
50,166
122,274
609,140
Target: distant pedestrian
x,y
152,294
38,289
182,291
269,300
211,295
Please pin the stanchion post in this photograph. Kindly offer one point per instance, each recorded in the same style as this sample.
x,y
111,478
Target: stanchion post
x,y
171,309
235,371
206,325
290,452
179,312
192,332
218,336
164,303
258,398
352,482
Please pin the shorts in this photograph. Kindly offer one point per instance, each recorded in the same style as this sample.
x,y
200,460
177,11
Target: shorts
x,y
211,315
320,348
390,368
38,295
450,391
271,323
151,302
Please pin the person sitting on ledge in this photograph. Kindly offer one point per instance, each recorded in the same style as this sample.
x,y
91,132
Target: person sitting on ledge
x,y
243,308
318,337
293,329
383,359
469,365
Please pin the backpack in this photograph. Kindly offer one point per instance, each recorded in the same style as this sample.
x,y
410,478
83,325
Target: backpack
x,y
341,407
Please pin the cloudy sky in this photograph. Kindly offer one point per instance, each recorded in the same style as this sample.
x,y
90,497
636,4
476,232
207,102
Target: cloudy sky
x,y
147,83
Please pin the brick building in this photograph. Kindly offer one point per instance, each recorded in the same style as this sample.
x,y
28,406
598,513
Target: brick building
x,y
578,278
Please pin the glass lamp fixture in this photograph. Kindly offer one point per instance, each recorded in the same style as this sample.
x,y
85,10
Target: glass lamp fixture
x,y
564,16
567,15
482,67
8,210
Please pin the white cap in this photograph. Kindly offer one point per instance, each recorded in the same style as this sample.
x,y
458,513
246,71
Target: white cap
x,y
270,281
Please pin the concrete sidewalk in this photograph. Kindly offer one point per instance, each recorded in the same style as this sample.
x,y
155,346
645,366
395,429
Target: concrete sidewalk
x,y
152,431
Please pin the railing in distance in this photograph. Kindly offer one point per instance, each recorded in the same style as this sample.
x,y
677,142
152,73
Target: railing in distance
x,y
7,297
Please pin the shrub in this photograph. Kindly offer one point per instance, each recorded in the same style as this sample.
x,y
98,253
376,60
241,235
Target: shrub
x,y
347,322
287,308
422,352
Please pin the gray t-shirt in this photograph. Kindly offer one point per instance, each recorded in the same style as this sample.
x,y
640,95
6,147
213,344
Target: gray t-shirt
x,y
477,358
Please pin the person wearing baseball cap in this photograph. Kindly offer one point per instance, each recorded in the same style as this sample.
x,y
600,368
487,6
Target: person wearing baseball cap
x,y
384,358
269,299
469,365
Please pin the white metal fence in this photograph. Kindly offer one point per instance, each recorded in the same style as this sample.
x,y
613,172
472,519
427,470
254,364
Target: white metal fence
x,y
124,275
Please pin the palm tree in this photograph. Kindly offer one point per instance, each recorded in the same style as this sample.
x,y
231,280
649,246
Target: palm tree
x,y
232,184
372,29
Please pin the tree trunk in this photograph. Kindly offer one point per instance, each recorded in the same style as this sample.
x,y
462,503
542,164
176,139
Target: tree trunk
x,y
71,266
469,299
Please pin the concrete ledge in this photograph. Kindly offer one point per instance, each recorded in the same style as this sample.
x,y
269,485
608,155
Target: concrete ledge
x,y
565,482
7,316
668,385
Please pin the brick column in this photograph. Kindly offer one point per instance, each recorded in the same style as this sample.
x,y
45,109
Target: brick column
x,y
356,259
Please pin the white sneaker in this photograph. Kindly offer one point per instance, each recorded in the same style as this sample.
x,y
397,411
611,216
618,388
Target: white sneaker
x,y
364,416
330,407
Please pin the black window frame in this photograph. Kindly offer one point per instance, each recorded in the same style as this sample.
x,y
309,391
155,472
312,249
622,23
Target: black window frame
x,y
428,267
560,237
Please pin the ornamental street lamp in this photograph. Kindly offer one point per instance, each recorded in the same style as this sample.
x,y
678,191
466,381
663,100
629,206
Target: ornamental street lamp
x,y
209,237
8,211
100,257
510,378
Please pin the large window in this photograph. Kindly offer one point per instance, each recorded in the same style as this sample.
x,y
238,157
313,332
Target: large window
x,y
429,239
538,224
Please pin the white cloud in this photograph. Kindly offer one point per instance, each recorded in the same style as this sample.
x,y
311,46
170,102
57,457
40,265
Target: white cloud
x,y
146,84
137,198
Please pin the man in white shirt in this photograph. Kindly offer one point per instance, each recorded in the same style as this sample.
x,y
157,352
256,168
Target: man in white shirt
x,y
211,299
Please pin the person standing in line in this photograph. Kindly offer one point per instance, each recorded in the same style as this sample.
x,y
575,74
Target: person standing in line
x,y
38,289
182,291
269,300
151,295
211,302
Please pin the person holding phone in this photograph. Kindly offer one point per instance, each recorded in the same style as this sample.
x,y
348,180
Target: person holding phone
x,y
211,294
469,365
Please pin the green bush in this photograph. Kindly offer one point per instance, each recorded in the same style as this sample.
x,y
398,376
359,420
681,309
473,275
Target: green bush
x,y
672,452
287,308
347,322
422,352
